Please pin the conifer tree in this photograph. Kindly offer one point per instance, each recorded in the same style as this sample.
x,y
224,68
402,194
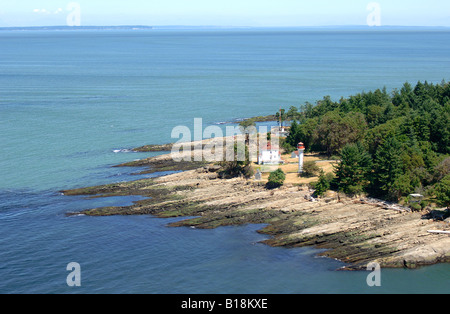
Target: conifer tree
x,y
443,192
322,185
353,171
387,169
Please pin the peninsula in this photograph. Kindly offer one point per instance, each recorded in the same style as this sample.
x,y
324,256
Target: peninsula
x,y
367,159
354,230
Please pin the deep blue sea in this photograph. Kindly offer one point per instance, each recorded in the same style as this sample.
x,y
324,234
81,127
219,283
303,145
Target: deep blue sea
x,y
70,100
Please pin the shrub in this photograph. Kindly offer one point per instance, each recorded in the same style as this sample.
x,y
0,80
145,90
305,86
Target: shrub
x,y
415,207
424,204
322,185
310,169
276,179
232,169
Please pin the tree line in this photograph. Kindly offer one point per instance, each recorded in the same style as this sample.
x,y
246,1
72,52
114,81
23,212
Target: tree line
x,y
389,145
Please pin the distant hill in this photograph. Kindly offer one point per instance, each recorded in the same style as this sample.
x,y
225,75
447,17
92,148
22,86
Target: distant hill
x,y
64,28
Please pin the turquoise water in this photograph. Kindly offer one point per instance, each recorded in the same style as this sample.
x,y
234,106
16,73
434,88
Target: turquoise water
x,y
69,100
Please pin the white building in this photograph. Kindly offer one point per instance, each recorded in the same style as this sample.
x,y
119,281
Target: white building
x,y
270,156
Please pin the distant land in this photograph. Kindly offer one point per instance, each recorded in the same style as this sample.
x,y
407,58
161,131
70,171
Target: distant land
x,y
64,28
216,27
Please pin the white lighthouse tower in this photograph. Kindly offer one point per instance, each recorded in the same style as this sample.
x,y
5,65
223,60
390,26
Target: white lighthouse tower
x,y
301,151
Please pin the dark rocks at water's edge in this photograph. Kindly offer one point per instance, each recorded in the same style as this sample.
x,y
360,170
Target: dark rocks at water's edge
x,y
157,165
154,148
355,232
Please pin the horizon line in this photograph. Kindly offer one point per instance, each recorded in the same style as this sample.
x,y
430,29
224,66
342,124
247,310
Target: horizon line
x,y
222,26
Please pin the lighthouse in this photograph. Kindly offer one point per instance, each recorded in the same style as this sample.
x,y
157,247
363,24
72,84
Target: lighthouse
x,y
301,150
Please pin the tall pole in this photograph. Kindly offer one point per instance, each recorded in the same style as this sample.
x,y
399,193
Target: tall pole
x,y
281,123
301,151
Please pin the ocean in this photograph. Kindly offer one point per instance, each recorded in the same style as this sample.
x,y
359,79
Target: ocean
x,y
73,104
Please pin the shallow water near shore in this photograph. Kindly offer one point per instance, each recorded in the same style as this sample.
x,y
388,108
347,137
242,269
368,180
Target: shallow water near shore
x,y
72,104
140,254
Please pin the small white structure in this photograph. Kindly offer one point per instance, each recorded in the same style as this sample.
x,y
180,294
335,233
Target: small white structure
x,y
279,131
258,175
415,198
270,155
301,150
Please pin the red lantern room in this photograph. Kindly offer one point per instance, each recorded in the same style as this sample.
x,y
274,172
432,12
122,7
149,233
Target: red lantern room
x,y
301,146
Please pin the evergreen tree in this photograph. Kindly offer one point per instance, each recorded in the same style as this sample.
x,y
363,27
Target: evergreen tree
x,y
387,169
406,133
440,129
281,116
353,171
377,135
294,132
305,133
322,185
293,113
443,192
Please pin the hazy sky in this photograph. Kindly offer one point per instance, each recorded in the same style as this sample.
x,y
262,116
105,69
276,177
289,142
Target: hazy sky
x,y
224,12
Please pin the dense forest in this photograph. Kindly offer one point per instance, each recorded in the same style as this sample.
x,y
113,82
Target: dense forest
x,y
389,145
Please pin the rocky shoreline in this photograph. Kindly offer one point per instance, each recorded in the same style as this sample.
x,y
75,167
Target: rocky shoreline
x,y
353,230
